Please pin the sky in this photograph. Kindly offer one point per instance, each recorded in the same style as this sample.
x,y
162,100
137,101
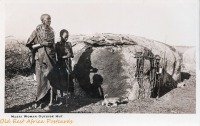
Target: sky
x,y
175,22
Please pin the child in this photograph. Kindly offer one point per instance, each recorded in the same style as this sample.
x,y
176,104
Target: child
x,y
64,55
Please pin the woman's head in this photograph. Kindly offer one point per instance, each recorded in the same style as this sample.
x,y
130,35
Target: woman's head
x,y
46,19
64,34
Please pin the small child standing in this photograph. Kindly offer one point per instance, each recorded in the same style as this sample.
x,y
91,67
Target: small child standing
x,y
64,55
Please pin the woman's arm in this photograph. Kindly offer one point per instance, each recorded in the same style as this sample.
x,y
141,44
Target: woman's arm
x,y
36,46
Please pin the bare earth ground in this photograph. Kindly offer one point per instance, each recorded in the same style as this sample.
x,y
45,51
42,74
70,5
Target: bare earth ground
x,y
20,94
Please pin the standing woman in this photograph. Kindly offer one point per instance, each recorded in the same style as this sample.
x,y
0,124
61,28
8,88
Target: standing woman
x,y
64,55
41,44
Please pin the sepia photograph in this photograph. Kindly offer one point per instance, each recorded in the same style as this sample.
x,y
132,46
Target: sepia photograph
x,y
136,57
